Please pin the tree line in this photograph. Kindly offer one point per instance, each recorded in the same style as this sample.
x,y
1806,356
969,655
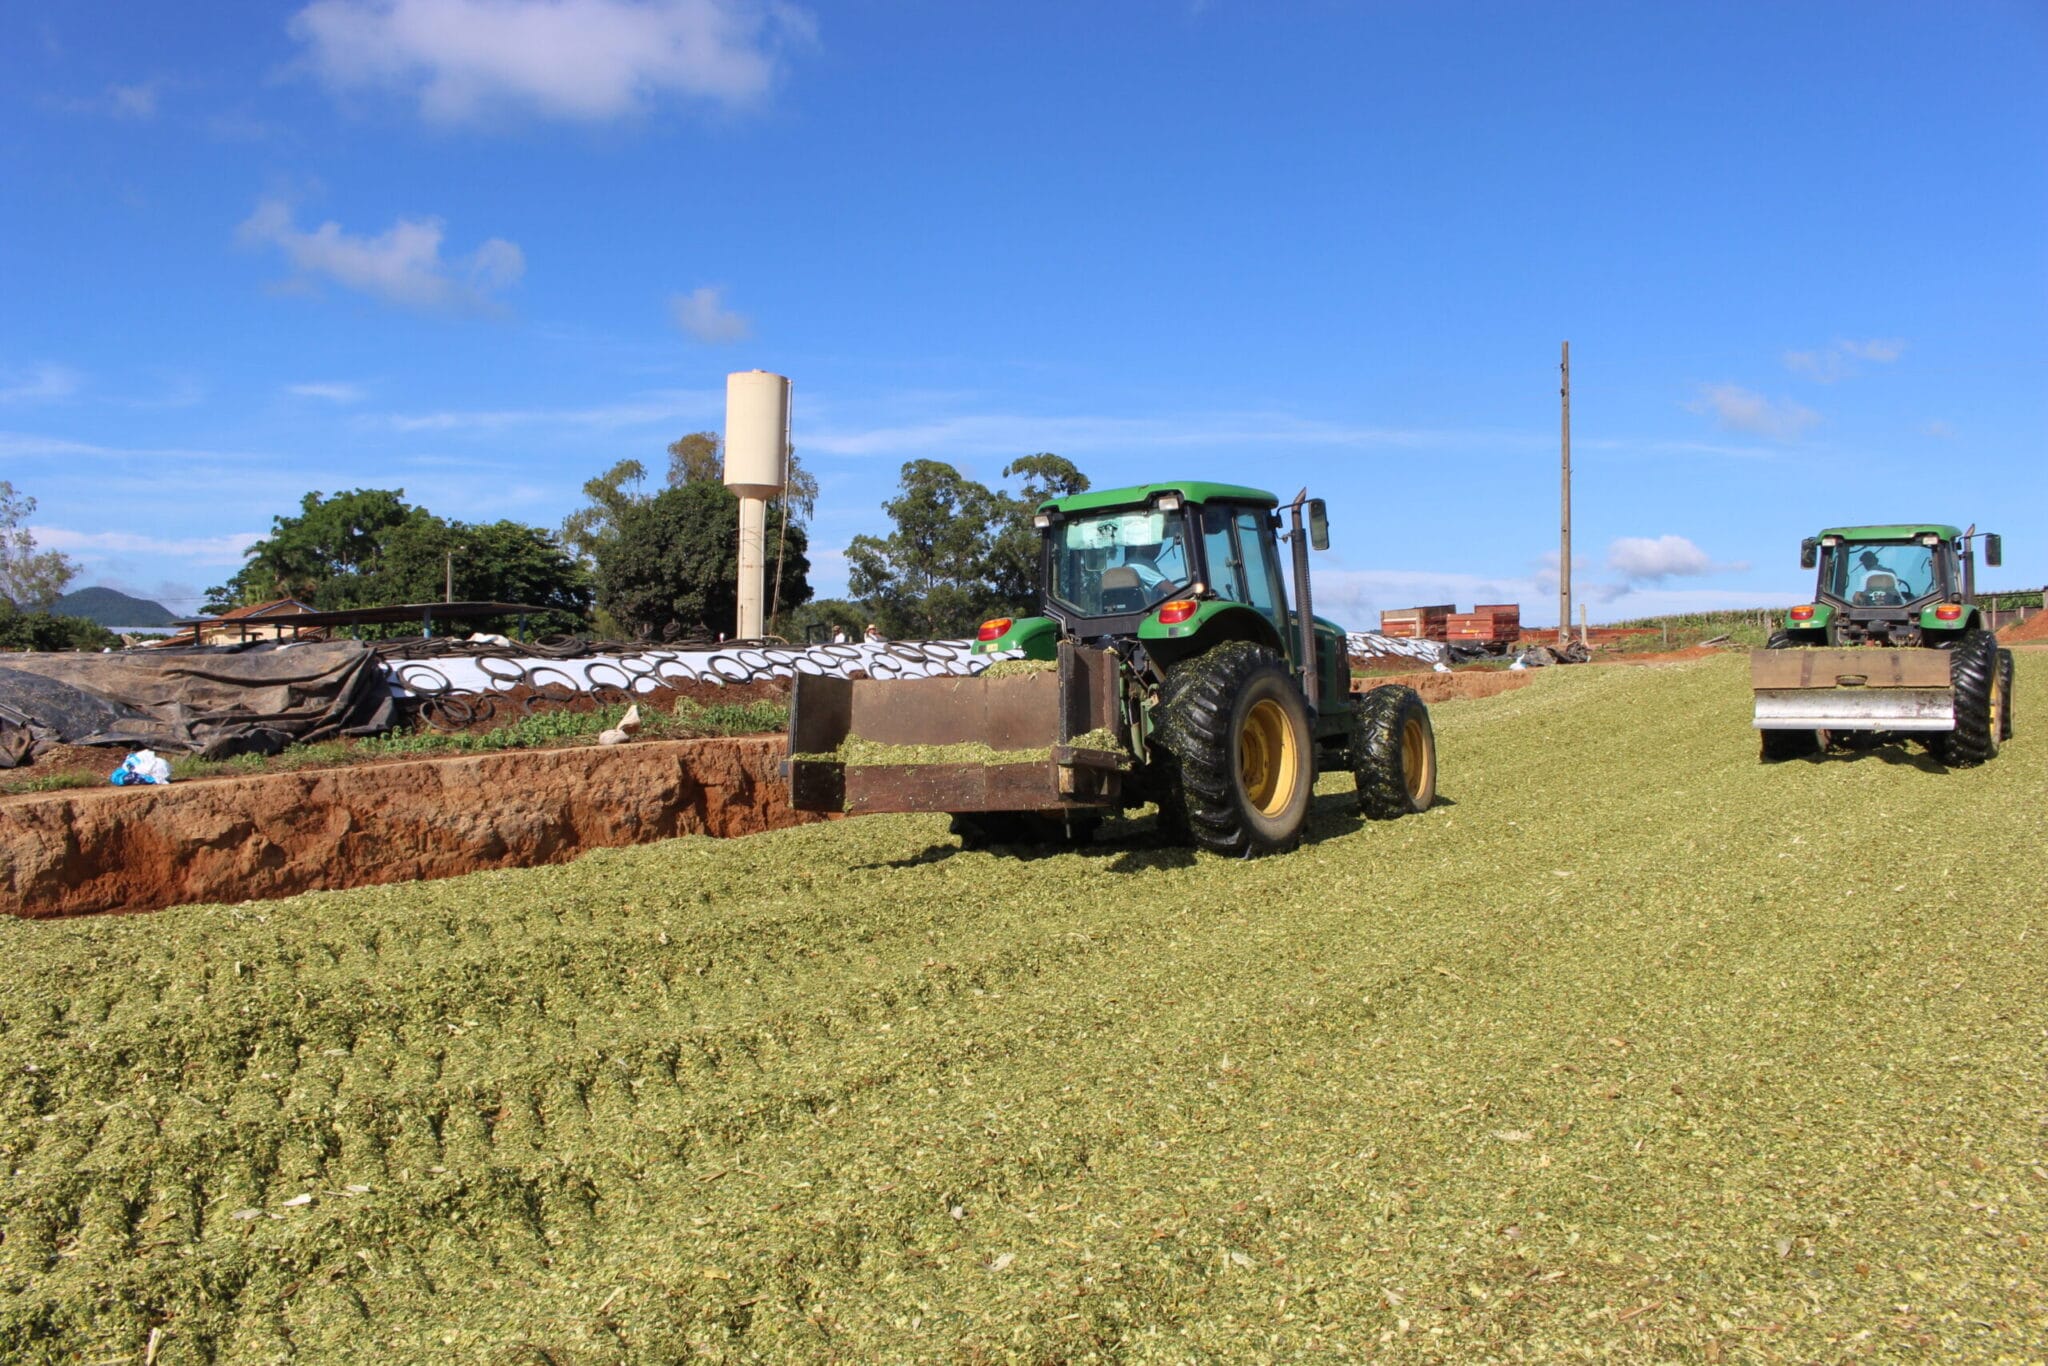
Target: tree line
x,y
635,563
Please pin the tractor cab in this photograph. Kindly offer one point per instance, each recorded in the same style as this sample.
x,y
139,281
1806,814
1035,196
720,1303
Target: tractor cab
x,y
1115,558
1890,585
1160,572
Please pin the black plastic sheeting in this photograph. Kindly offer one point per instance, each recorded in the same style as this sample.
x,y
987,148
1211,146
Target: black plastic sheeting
x,y
215,702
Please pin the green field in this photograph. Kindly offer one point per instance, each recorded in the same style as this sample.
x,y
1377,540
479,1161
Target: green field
x,y
1633,1049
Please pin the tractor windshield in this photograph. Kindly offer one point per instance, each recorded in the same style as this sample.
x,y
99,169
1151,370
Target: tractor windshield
x,y
1119,561
1878,573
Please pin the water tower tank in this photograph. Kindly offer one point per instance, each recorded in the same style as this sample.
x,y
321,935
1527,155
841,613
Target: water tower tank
x,y
756,432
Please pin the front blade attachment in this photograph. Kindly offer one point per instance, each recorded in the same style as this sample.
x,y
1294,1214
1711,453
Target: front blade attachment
x,y
1028,723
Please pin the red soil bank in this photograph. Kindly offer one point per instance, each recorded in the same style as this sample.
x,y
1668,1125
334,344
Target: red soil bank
x,y
276,834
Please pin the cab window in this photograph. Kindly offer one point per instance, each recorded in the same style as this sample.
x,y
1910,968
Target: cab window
x,y
1262,573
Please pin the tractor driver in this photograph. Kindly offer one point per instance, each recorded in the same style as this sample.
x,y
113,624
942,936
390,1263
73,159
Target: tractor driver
x,y
1158,564
1880,585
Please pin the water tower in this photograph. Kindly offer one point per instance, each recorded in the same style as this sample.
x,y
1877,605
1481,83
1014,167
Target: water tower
x,y
756,467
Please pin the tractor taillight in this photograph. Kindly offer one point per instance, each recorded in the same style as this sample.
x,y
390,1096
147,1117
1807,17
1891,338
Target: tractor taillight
x,y
1179,610
1803,613
993,628
1949,611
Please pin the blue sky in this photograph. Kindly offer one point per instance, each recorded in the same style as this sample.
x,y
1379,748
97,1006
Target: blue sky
x,y
481,249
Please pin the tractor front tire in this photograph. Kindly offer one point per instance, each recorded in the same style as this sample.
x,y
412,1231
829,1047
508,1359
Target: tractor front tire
x,y
1973,671
1393,753
1238,751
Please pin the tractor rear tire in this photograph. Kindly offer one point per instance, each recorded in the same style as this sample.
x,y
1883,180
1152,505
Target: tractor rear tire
x,y
1776,746
1393,753
1238,755
2005,694
1974,675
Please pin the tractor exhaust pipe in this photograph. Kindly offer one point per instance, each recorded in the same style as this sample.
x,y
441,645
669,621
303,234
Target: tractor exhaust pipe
x,y
1304,608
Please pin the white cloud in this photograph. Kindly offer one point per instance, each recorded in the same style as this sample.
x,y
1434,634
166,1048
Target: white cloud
x,y
1939,430
577,59
331,391
135,101
1883,350
1650,559
401,265
1838,360
223,549
38,384
703,314
1743,410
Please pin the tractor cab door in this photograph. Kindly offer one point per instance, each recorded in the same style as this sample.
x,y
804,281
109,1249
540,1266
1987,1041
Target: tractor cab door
x,y
1244,564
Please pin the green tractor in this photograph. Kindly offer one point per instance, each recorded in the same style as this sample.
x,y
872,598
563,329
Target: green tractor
x,y
1169,667
1893,644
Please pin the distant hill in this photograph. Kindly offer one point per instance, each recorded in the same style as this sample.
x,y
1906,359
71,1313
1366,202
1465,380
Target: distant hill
x,y
110,608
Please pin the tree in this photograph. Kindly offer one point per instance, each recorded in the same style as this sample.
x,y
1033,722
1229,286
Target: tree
x,y
41,631
700,458
960,552
426,559
929,577
586,530
29,578
333,541
1013,555
818,618
370,548
672,565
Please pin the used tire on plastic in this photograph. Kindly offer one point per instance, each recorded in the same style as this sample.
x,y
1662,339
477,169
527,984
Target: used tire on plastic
x,y
1974,675
1775,746
1393,753
1239,756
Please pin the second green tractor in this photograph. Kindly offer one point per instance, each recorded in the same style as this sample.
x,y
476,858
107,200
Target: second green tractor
x,y
1171,665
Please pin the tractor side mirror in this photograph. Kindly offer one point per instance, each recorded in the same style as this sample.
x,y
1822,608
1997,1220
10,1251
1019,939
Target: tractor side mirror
x,y
1809,553
1319,524
1994,550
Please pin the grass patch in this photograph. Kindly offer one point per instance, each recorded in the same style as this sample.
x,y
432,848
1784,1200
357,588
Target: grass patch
x,y
1744,626
1675,1057
1019,668
48,782
867,753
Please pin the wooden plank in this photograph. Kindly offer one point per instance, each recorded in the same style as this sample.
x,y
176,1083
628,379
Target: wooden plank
x,y
820,708
816,786
1871,667
1019,712
973,787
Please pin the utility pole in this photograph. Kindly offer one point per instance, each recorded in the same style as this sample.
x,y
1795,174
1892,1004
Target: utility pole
x,y
448,583
1564,548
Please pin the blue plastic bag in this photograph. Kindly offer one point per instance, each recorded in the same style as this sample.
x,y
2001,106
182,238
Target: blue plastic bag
x,y
143,766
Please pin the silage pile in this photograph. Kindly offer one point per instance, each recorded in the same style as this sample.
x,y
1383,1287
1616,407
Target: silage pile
x,y
1666,1066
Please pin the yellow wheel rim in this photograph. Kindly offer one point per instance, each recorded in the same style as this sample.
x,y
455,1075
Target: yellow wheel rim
x,y
1418,759
1267,758
1997,700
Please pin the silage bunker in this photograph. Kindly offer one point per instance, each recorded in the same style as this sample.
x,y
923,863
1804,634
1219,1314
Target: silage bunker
x,y
278,834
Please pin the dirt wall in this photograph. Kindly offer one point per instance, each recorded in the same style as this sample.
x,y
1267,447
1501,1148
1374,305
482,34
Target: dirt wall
x,y
272,835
